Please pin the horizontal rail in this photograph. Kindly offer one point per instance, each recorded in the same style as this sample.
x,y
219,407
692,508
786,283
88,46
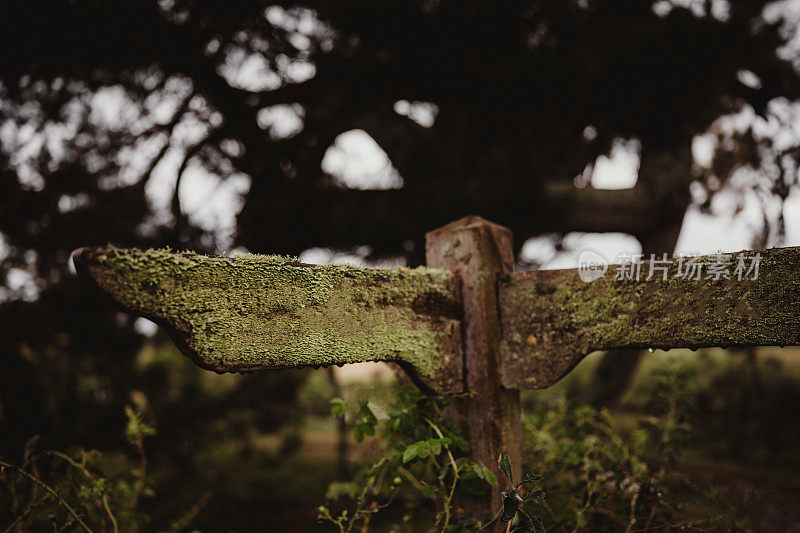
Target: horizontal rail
x,y
254,312
552,319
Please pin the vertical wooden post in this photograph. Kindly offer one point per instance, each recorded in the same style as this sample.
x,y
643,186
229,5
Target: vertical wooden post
x,y
479,251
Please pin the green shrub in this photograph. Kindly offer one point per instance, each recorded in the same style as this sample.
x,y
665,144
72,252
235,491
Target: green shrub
x,y
617,472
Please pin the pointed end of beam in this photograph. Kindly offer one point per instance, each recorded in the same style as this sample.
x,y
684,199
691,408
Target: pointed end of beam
x,y
255,312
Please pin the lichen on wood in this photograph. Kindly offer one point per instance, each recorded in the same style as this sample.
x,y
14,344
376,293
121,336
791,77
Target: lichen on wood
x,y
255,312
552,319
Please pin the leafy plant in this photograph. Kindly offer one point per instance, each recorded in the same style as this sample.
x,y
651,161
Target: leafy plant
x,y
70,491
617,472
423,457
513,510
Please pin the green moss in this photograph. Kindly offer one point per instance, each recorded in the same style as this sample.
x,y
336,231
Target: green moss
x,y
263,312
572,318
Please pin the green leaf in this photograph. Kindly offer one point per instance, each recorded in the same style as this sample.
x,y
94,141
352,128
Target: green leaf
x,y
338,407
136,429
423,450
324,513
365,416
429,491
365,423
436,446
505,467
410,452
484,473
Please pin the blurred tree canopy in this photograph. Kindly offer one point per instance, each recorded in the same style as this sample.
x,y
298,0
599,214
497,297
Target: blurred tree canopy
x,y
525,94
483,107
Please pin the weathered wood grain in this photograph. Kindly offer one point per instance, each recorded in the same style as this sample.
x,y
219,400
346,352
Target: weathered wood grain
x,y
255,312
478,252
552,319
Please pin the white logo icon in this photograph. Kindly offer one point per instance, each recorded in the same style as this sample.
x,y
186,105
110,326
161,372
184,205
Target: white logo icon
x,y
591,266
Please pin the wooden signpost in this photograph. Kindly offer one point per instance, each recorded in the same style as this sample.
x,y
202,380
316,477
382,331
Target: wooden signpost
x,y
467,322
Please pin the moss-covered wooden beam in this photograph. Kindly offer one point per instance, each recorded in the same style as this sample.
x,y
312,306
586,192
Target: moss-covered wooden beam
x,y
254,312
552,319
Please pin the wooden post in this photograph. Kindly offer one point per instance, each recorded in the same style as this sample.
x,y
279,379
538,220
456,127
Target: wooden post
x,y
478,252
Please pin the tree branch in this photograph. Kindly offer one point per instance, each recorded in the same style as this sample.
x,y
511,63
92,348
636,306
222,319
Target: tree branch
x,y
181,220
169,128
